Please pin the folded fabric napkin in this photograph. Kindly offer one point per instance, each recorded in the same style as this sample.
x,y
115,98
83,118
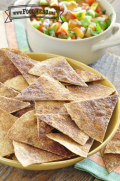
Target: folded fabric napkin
x,y
13,35
96,167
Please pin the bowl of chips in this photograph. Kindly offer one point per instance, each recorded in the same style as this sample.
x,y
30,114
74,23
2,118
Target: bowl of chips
x,y
55,111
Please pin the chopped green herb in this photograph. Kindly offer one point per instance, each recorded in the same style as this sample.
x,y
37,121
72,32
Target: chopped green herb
x,y
94,33
98,28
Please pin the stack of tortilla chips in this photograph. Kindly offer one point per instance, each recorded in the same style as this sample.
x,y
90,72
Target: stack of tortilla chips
x,y
47,110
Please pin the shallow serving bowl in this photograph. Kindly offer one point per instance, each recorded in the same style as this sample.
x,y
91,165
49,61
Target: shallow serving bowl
x,y
112,127
86,50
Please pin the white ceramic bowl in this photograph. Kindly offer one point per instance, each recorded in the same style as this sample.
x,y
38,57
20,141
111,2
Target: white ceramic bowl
x,y
84,50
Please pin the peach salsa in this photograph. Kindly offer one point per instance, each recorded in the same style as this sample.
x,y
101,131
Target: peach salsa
x,y
79,20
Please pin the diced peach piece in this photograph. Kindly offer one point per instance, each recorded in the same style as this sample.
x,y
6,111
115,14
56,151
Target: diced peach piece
x,y
72,24
92,26
57,26
105,16
63,29
71,6
78,32
79,14
69,16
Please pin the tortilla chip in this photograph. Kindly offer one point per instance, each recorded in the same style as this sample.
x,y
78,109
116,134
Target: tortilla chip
x,y
111,160
88,76
43,128
50,107
113,145
93,116
23,111
16,51
28,155
18,83
6,121
7,92
93,91
70,144
7,68
12,105
25,130
64,123
24,64
59,69
45,88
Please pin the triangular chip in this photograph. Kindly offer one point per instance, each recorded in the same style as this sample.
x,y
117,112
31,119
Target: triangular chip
x,y
111,160
93,116
93,91
88,76
43,128
23,111
45,88
70,144
7,92
28,155
25,130
113,145
24,64
50,107
18,83
7,68
12,105
6,121
59,69
64,123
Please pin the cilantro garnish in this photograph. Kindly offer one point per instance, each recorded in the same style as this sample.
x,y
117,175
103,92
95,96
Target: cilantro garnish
x,y
108,22
94,33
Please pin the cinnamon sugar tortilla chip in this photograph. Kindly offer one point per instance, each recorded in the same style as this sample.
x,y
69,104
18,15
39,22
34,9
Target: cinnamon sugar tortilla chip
x,y
28,155
6,121
59,69
7,68
93,91
88,76
111,160
70,144
93,116
50,107
18,83
45,88
24,64
16,51
12,105
24,110
64,123
113,145
43,128
25,130
7,92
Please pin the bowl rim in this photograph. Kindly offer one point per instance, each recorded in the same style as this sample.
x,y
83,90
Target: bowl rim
x,y
77,40
68,162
